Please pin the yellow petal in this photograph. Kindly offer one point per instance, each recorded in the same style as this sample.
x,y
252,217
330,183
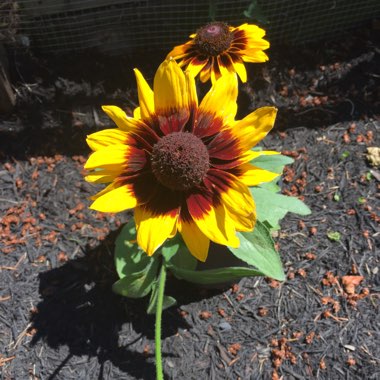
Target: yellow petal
x,y
253,55
252,175
101,139
137,113
238,198
215,73
192,90
205,74
153,229
107,189
116,200
195,67
120,118
221,99
242,223
254,127
214,222
240,205
252,31
146,98
178,52
226,67
196,241
170,89
104,176
241,71
109,156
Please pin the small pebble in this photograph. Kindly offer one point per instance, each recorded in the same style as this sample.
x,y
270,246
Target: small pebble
x,y
224,326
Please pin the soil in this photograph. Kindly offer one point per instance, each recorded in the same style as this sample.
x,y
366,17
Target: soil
x,y
58,316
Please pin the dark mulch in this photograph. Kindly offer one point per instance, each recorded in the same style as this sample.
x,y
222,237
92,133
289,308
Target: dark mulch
x,y
58,316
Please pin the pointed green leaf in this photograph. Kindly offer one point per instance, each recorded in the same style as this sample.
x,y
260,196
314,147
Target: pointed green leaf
x,y
257,249
168,301
137,284
273,162
184,259
170,247
129,257
273,207
213,276
271,186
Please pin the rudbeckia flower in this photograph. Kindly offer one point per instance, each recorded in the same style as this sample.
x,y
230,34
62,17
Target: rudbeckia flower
x,y
184,167
218,48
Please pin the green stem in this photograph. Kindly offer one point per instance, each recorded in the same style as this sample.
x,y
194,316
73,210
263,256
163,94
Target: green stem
x,y
160,301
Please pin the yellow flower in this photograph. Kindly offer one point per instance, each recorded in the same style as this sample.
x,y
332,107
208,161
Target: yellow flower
x,y
218,48
183,167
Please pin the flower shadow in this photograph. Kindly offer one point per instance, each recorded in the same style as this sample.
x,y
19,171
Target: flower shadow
x,y
80,311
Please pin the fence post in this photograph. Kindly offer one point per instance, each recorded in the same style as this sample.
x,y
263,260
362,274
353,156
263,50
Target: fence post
x,y
7,97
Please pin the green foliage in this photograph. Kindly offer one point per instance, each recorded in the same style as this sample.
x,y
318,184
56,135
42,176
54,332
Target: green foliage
x,y
255,12
213,276
257,249
137,271
170,248
272,207
168,301
184,259
129,257
334,235
273,162
137,284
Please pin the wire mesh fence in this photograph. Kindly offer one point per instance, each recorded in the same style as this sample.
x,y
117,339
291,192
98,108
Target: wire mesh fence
x,y
130,25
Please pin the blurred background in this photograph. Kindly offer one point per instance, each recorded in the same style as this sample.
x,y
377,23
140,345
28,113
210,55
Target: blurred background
x,y
61,59
116,26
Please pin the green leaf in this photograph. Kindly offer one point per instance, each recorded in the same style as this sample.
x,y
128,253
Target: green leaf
x,y
168,301
213,276
184,259
175,252
273,207
271,186
257,249
138,284
129,257
273,162
170,247
334,235
255,12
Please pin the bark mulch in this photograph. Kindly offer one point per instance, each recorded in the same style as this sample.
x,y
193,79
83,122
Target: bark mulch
x,y
58,316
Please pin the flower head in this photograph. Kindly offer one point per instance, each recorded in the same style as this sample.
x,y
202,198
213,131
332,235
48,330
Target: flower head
x,y
184,167
217,48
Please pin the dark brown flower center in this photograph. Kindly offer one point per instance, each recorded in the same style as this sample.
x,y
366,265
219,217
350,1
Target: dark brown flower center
x,y
180,161
213,39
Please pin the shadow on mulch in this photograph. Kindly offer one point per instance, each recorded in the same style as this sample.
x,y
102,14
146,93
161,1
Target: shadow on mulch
x,y
80,311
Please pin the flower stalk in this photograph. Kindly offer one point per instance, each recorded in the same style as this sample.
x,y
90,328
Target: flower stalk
x,y
158,328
